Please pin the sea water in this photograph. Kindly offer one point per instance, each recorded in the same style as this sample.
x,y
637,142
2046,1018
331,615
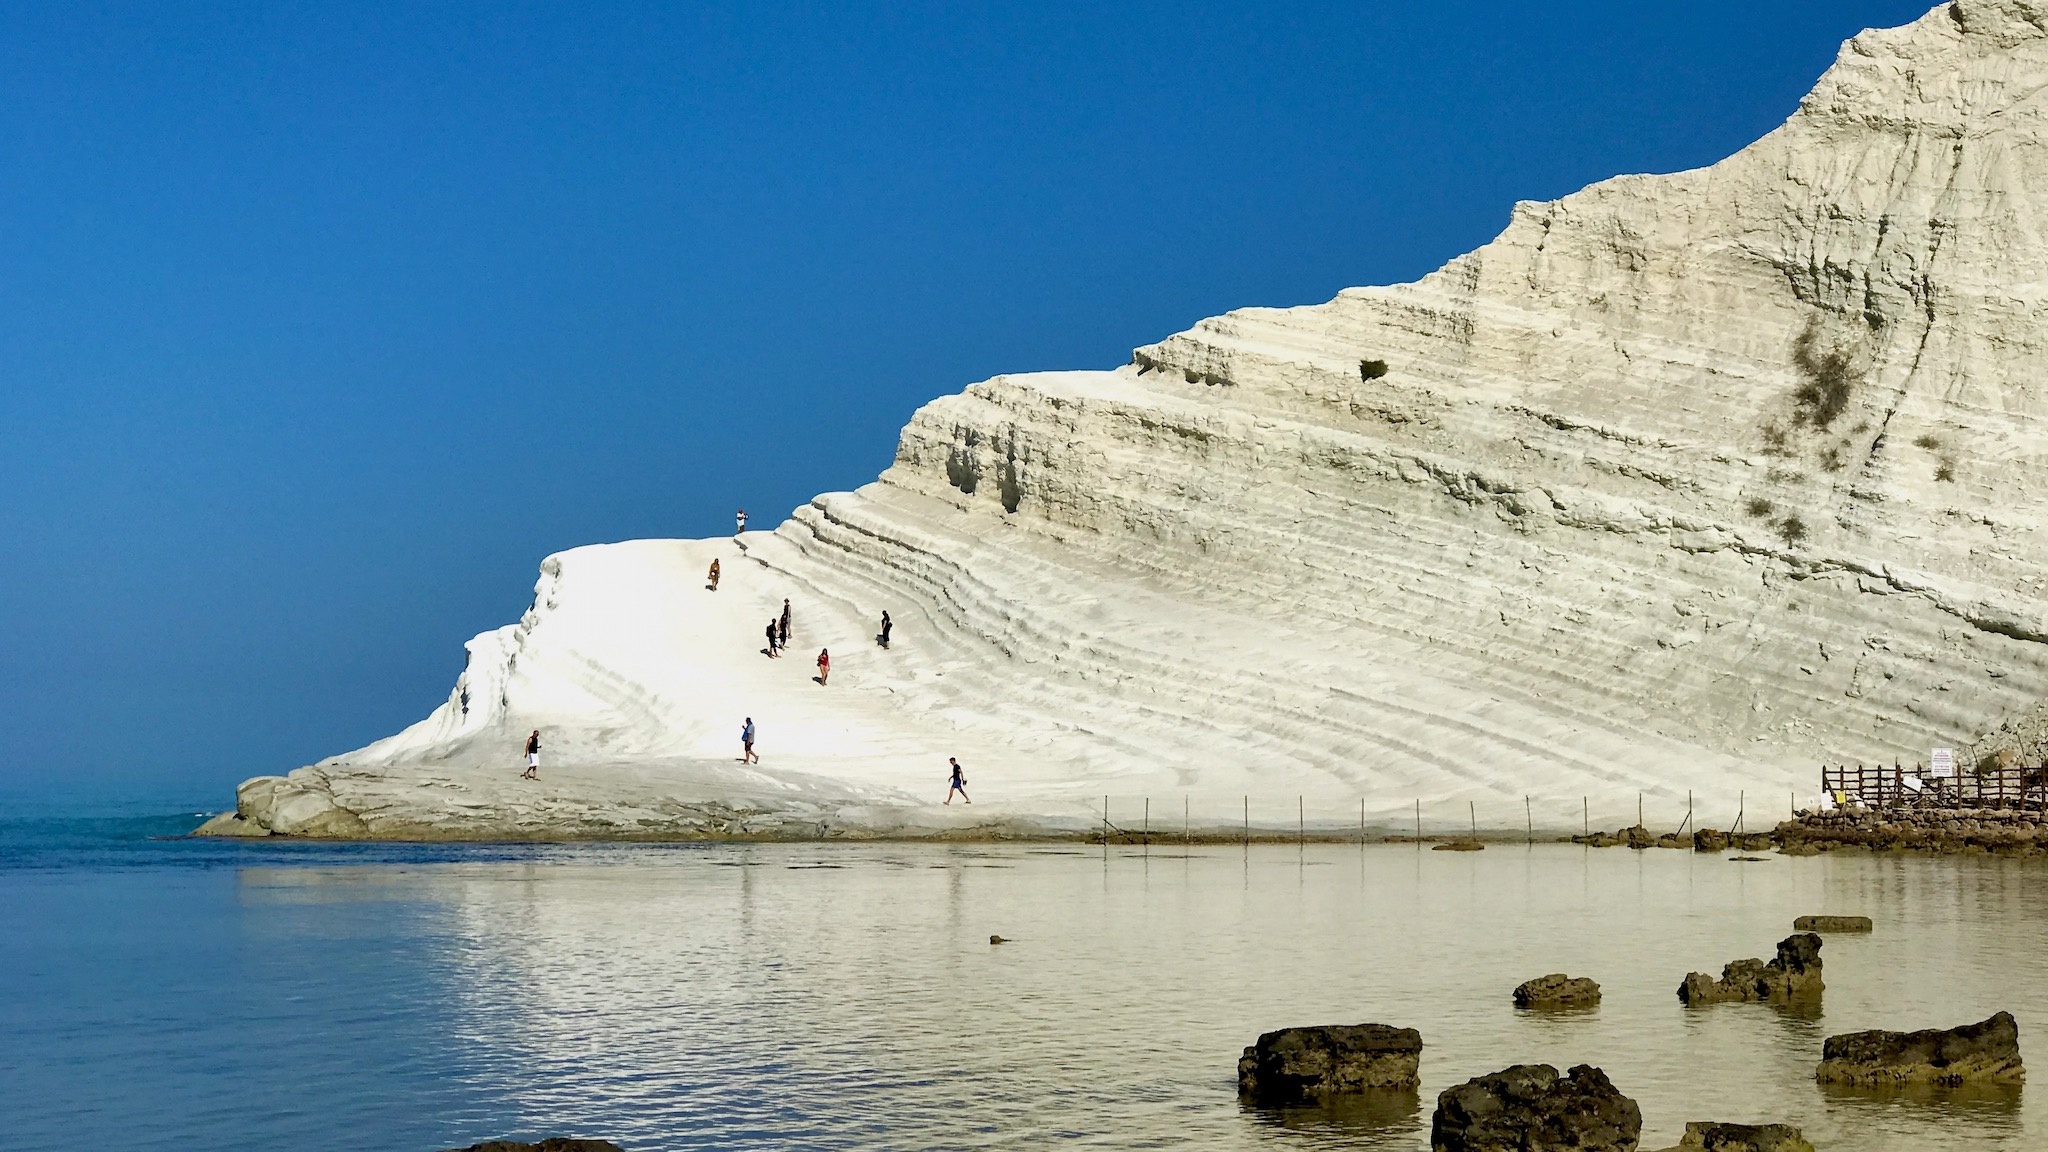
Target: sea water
x,y
183,994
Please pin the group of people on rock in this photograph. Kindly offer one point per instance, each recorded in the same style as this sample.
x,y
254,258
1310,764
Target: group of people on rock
x,y
777,635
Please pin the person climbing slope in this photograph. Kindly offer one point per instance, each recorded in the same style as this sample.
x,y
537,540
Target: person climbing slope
x,y
774,649
824,665
713,577
747,753
958,783
532,757
884,637
785,623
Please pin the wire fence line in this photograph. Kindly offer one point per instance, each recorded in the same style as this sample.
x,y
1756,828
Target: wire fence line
x,y
1209,816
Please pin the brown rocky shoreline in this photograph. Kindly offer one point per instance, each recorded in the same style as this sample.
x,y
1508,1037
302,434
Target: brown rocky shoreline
x,y
1954,832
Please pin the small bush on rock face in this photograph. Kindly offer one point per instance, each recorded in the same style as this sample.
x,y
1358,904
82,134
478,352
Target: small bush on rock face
x,y
1829,379
1927,440
1793,529
1371,369
1945,471
1759,507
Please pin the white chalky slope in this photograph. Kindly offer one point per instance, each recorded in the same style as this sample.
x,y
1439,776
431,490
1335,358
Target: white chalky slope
x,y
1683,482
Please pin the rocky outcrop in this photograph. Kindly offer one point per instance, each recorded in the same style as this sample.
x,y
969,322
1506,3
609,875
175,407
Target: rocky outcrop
x,y
2005,831
1832,924
1529,1107
1793,974
1710,1137
1302,1065
1557,990
1684,481
1985,1052
1710,840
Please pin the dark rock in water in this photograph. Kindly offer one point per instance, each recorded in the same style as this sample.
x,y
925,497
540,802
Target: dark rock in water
x,y
1983,1052
1709,840
1674,840
1794,973
999,939
1750,841
1459,846
1705,1137
1299,1065
1529,1107
1557,990
1831,924
551,1144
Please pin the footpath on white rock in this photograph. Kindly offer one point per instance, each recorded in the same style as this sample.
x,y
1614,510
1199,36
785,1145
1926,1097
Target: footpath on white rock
x,y
1683,484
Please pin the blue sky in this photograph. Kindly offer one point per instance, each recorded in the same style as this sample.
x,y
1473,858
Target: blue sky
x,y
321,324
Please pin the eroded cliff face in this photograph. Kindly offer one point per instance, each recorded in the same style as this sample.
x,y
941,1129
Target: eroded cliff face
x,y
1683,482
1749,455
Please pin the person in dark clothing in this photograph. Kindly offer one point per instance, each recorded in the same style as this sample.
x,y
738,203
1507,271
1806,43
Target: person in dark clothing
x,y
785,624
774,649
532,757
884,637
958,783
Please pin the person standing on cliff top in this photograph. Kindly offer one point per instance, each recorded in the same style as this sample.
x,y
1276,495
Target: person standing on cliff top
x,y
785,623
824,665
884,637
959,782
747,753
532,757
740,521
774,649
714,574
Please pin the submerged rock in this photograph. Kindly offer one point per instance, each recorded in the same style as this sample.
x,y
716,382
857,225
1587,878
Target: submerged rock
x,y
1530,1107
1557,990
1985,1052
1793,973
1832,924
1701,1136
551,1144
1300,1065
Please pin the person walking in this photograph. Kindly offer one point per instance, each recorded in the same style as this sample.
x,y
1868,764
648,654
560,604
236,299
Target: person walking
x,y
785,623
885,629
532,757
714,574
747,753
774,649
740,521
824,665
958,783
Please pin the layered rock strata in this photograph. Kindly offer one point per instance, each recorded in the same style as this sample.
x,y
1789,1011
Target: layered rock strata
x,y
1794,973
1530,1106
1684,482
1304,1065
1985,1052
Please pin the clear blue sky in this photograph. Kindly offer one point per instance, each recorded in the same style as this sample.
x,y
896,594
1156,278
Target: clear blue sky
x,y
321,324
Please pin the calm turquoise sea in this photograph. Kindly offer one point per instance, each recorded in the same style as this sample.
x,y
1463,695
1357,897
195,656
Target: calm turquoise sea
x,y
174,994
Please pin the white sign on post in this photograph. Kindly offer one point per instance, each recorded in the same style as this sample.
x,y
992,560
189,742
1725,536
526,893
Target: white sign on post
x,y
1943,765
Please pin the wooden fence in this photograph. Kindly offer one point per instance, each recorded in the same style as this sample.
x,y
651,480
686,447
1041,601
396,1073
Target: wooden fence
x,y
1876,786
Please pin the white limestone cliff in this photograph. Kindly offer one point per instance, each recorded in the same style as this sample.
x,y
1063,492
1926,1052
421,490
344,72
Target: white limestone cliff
x,y
1684,482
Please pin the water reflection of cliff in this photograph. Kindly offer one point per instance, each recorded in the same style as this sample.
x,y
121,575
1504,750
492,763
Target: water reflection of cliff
x,y
770,996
